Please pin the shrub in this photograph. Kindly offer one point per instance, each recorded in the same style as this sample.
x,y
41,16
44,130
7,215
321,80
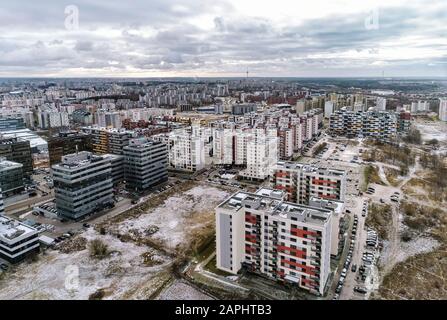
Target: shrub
x,y
98,249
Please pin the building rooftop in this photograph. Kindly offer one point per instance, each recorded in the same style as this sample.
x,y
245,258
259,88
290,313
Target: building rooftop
x,y
310,168
6,164
267,200
11,229
78,160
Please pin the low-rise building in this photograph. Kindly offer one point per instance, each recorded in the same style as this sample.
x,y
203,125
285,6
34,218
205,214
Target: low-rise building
x,y
17,240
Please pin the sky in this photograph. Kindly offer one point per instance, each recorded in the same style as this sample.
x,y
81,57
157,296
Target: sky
x,y
223,38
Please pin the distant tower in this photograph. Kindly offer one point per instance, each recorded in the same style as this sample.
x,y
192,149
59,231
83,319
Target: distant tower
x,y
247,74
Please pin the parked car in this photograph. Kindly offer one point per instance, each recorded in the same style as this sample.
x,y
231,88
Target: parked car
x,y
360,290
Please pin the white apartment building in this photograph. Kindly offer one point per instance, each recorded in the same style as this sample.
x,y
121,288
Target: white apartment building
x,y
381,104
443,109
328,108
420,106
186,150
223,146
284,241
262,155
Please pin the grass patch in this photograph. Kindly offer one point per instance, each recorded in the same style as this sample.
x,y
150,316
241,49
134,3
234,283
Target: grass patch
x,y
378,218
371,175
420,277
392,176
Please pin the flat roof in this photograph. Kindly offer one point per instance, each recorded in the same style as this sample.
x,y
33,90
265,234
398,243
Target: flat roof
x,y
11,229
28,135
276,207
309,168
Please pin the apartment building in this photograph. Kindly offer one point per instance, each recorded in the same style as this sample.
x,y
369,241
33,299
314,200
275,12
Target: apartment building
x,y
285,139
145,164
67,142
82,184
443,109
106,140
17,150
17,240
280,240
262,154
186,150
380,125
11,177
223,146
301,182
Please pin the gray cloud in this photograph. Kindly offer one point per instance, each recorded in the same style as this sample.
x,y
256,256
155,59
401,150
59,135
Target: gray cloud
x,y
141,37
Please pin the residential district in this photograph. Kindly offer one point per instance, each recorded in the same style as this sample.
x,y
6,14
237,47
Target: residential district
x,y
248,188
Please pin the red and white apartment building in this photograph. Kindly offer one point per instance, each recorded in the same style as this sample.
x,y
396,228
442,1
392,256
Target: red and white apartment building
x,y
301,182
286,242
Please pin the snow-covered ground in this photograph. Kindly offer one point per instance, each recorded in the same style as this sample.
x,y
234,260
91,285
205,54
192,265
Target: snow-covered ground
x,y
76,275
178,215
432,130
124,273
180,290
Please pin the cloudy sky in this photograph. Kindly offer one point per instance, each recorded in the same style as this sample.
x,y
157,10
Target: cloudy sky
x,y
223,38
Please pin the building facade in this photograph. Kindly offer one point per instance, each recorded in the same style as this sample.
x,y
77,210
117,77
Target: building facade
x,y
11,177
145,164
301,182
17,150
82,184
283,241
17,240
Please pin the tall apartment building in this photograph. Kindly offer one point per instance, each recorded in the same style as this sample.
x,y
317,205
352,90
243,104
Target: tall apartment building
x,y
380,104
145,164
108,119
420,106
108,140
283,241
82,184
328,108
300,182
17,240
17,150
285,141
186,150
443,109
223,146
262,155
379,125
67,143
11,176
